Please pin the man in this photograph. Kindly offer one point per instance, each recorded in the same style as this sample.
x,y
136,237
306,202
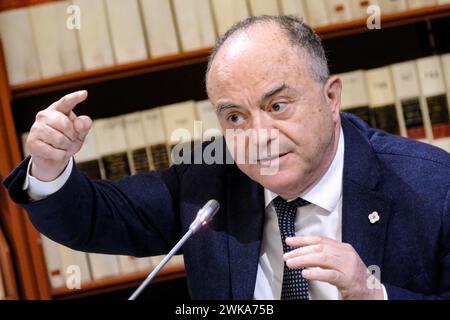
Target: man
x,y
344,199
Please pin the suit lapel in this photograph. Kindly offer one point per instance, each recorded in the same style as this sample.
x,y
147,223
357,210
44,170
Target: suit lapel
x,y
360,198
245,211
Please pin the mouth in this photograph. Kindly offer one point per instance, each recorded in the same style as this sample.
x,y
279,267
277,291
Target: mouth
x,y
267,160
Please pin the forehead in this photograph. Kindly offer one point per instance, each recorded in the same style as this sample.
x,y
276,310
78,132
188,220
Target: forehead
x,y
255,57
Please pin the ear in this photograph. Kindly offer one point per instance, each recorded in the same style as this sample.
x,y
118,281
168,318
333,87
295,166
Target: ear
x,y
332,93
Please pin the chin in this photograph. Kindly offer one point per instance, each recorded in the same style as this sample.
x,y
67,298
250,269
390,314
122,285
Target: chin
x,y
279,182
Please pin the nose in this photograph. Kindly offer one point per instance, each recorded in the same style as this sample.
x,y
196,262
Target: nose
x,y
263,130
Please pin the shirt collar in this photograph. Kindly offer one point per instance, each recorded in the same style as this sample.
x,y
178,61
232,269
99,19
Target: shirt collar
x,y
326,192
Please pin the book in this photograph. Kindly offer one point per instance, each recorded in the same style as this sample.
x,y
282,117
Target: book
x,y
384,112
227,13
392,6
127,35
354,95
155,138
2,286
317,13
160,28
339,11
266,7
208,118
433,89
359,8
103,266
75,266
136,143
53,262
94,38
112,147
180,130
179,120
19,46
295,8
23,138
415,4
195,24
127,264
414,122
57,46
144,264
88,158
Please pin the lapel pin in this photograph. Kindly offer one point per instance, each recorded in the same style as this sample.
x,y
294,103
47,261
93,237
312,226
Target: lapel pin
x,y
374,217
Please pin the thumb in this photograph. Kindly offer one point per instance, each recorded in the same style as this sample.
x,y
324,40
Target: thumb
x,y
82,125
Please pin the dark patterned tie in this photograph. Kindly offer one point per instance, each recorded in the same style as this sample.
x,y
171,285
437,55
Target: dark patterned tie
x,y
295,287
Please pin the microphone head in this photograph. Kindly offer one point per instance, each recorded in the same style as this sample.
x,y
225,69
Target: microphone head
x,y
205,215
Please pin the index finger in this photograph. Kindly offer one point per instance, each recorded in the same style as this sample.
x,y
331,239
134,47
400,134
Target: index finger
x,y
70,101
309,240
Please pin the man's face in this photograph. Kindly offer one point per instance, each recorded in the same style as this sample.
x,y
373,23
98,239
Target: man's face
x,y
259,81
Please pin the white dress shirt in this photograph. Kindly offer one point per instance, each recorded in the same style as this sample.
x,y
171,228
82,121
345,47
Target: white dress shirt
x,y
323,217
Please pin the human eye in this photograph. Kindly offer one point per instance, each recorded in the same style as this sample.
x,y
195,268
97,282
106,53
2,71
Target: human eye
x,y
278,107
235,119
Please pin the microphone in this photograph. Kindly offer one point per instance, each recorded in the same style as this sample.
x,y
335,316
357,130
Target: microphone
x,y
204,216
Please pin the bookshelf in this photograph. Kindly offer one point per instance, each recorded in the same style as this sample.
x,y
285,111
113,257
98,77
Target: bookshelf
x,y
7,268
137,85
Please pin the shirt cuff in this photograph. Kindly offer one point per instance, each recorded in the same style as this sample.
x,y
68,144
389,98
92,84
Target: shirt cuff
x,y
38,190
385,296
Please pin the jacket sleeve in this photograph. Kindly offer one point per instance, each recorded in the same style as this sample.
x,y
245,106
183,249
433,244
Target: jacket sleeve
x,y
138,215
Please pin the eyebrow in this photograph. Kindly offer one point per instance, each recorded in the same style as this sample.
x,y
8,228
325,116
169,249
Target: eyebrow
x,y
274,92
224,106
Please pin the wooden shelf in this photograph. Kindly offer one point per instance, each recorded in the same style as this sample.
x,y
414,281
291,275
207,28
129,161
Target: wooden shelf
x,y
7,268
117,283
110,73
83,78
387,21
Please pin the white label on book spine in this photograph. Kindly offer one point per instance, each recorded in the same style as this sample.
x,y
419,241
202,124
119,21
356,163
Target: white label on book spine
x,y
57,45
339,11
354,90
19,46
160,27
227,13
195,24
179,120
126,30
94,37
380,87
153,126
430,75
134,131
406,80
110,135
266,7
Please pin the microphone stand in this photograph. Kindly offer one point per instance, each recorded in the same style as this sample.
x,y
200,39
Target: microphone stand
x,y
204,216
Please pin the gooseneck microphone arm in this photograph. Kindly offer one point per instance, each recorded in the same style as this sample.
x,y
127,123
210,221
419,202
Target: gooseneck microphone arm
x,y
204,216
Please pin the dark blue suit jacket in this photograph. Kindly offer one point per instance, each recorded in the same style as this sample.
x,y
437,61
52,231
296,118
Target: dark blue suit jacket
x,y
406,182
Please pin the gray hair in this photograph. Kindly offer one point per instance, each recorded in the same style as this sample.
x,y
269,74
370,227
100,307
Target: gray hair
x,y
299,33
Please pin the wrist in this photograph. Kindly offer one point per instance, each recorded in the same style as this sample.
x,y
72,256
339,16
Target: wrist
x,y
47,172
